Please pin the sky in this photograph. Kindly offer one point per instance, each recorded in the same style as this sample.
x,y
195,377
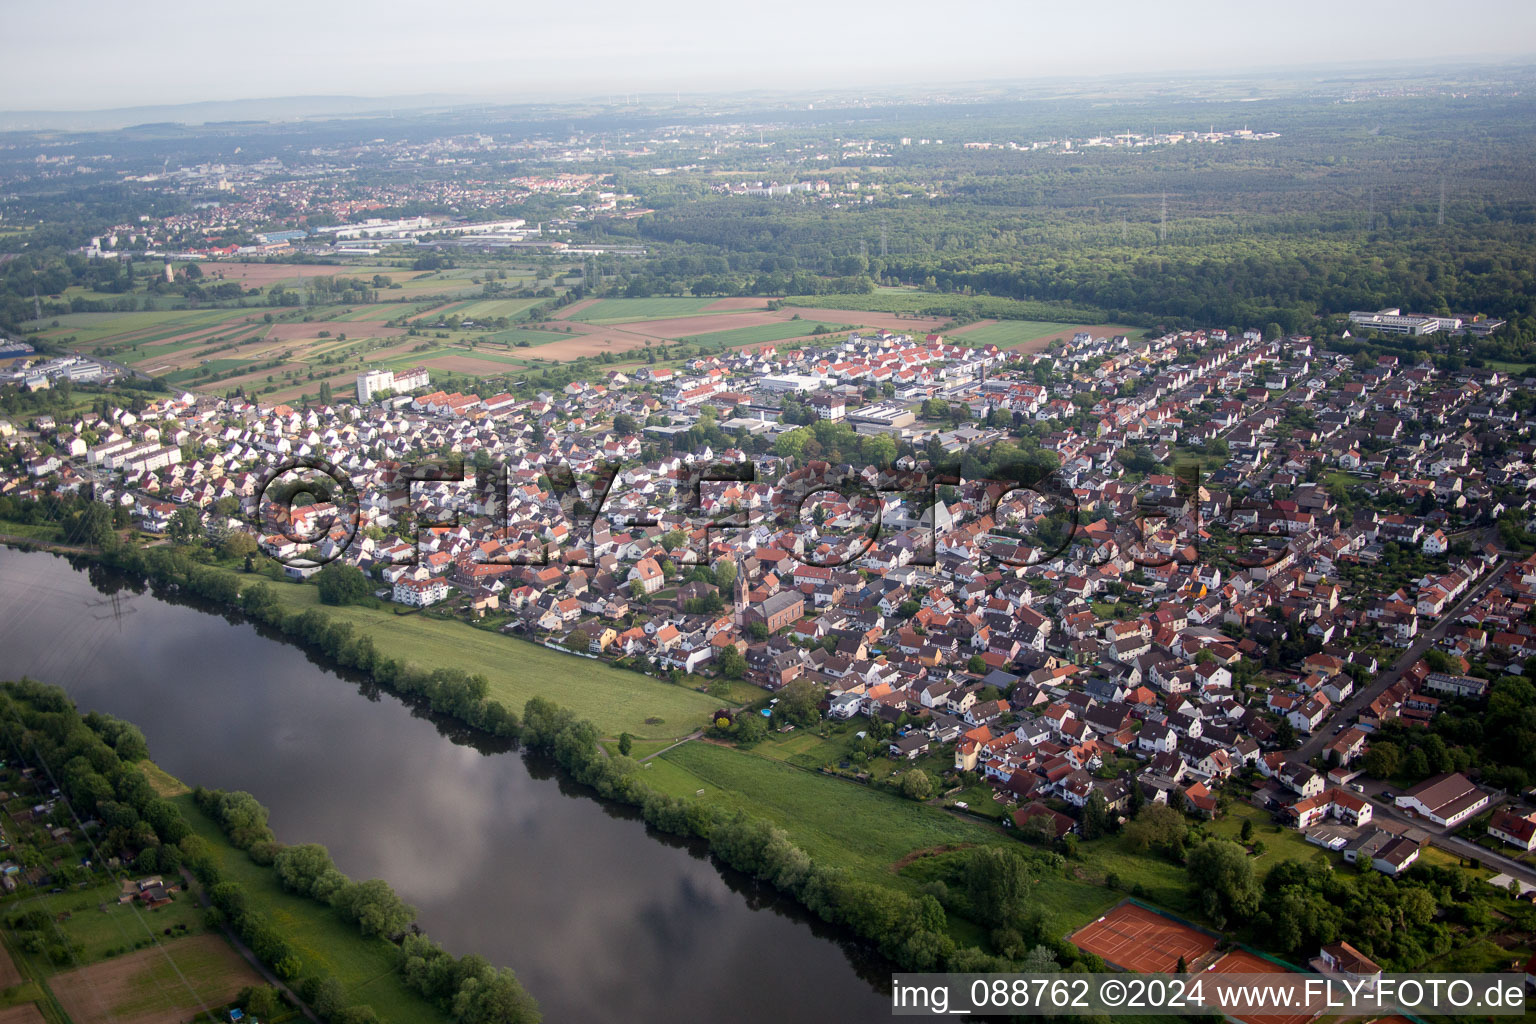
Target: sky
x,y
101,54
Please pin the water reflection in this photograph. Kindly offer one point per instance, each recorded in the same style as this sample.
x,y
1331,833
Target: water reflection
x,y
600,922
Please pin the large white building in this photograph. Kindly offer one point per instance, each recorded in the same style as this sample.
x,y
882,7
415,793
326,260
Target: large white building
x,y
1395,321
1444,799
412,379
371,382
420,592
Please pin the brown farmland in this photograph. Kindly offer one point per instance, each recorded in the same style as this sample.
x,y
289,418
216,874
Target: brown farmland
x,y
740,303
25,1013
142,987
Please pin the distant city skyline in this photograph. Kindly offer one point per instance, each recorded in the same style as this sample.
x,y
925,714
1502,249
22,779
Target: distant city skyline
x,y
102,54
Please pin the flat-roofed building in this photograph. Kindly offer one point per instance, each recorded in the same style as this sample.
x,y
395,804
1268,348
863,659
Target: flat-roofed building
x,y
372,382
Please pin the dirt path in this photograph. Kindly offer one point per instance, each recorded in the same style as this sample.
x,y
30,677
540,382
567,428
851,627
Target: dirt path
x,y
691,736
245,951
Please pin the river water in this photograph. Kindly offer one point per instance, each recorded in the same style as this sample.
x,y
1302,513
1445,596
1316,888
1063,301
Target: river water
x,y
602,919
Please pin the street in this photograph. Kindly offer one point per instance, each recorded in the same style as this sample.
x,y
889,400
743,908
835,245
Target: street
x,y
1314,744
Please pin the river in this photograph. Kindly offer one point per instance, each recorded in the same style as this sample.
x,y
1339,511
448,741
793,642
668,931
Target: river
x,y
601,918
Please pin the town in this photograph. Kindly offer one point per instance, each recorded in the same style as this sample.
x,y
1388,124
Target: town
x,y
673,500
1140,656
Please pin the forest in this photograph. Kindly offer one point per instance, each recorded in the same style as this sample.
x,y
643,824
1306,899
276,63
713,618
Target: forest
x,y
1412,204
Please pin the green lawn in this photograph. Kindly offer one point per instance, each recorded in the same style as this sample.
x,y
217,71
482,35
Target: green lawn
x,y
806,749
979,799
319,936
444,282
614,700
488,354
1162,881
1065,904
1279,843
638,748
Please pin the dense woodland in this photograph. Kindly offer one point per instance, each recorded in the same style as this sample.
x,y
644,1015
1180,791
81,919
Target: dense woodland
x,y
1344,211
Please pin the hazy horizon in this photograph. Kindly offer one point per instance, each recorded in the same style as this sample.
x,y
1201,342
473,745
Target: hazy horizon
x,y
95,55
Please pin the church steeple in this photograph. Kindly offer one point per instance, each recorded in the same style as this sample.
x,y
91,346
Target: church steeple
x,y
739,600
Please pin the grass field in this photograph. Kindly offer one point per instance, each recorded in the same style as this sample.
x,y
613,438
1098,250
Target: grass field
x,y
834,820
486,308
169,983
33,531
616,701
533,337
764,333
848,825
913,301
377,311
319,936
618,311
212,365
439,282
93,919
1008,333
94,330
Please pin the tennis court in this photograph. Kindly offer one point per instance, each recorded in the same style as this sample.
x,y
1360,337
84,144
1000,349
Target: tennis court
x,y
1133,938
1240,962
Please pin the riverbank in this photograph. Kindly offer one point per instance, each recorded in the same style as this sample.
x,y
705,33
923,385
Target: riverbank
x,y
881,831
491,848
336,952
325,945
516,670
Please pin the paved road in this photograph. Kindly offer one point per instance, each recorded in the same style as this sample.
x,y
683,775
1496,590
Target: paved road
x,y
1454,845
1317,741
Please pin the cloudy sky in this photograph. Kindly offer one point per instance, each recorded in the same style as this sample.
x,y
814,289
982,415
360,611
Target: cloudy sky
x,y
95,54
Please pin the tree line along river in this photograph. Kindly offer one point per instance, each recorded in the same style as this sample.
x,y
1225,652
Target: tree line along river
x,y
501,854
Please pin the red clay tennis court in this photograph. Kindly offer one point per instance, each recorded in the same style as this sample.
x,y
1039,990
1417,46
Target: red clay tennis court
x,y
1241,962
1135,939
